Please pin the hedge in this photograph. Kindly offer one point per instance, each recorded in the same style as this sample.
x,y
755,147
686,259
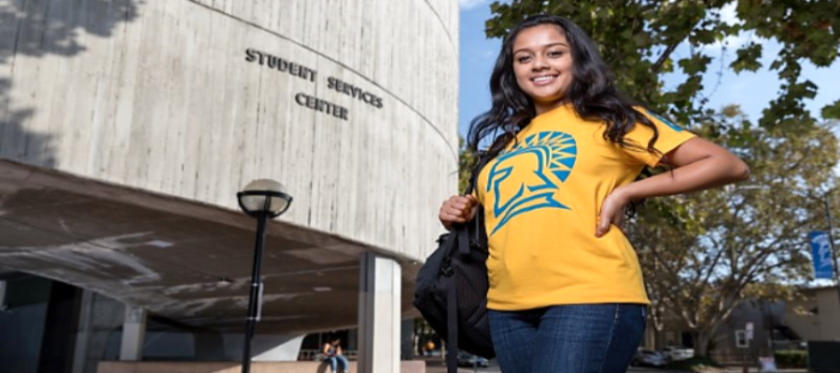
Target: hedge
x,y
791,359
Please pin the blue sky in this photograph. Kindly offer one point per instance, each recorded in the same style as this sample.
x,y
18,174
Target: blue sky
x,y
753,91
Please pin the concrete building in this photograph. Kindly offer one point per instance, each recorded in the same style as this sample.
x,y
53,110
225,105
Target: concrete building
x,y
815,316
127,127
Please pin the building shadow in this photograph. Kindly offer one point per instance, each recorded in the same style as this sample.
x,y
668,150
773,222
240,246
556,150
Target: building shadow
x,y
324,367
16,143
39,28
31,30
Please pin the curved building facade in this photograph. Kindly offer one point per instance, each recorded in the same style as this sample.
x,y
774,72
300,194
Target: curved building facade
x,y
351,104
127,127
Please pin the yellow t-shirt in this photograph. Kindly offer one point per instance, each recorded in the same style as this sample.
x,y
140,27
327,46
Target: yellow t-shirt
x,y
541,199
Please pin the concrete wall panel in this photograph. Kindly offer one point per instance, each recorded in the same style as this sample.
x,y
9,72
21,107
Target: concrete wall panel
x,y
158,95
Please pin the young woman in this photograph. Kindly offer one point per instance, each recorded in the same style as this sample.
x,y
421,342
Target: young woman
x,y
332,351
566,290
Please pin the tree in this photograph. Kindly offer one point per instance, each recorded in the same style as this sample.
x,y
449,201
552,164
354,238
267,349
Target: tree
x,y
466,162
720,247
638,39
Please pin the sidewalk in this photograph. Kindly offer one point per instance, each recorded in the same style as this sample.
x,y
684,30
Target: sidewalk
x,y
756,370
435,364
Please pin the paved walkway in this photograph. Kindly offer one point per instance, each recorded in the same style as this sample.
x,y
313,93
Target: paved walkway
x,y
438,366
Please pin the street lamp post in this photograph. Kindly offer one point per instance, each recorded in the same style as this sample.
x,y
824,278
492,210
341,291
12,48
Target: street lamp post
x,y
261,199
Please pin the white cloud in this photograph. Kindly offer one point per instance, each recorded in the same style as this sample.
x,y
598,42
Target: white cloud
x,y
469,4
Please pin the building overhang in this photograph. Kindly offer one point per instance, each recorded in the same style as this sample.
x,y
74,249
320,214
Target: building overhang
x,y
183,260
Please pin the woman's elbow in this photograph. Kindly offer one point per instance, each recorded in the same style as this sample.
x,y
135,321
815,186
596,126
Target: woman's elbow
x,y
740,171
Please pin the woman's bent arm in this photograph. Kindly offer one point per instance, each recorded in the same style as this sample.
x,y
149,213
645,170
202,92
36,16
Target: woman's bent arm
x,y
697,164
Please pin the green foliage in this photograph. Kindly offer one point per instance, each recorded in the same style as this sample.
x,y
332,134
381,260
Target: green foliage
x,y
748,58
791,359
466,163
638,39
832,111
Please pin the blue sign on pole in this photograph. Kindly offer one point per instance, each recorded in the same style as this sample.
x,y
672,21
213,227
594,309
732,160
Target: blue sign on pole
x,y
821,254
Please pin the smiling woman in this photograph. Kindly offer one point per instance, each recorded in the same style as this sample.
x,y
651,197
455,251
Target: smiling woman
x,y
566,291
543,65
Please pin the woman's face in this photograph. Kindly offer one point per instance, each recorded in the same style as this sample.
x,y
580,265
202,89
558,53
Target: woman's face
x,y
542,63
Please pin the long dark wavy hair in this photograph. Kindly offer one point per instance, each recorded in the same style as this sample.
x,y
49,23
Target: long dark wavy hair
x,y
592,92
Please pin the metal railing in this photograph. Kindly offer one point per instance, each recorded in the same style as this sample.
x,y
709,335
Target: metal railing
x,y
317,355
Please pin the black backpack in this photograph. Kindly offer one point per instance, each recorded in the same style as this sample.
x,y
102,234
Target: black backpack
x,y
451,288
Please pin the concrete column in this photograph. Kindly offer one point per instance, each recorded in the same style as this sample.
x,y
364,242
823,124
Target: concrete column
x,y
133,334
407,340
379,315
352,342
99,316
80,352
60,325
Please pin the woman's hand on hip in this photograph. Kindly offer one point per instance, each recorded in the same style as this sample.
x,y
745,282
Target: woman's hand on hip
x,y
612,212
457,209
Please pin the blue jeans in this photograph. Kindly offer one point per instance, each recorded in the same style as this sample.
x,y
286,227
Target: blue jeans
x,y
585,338
338,362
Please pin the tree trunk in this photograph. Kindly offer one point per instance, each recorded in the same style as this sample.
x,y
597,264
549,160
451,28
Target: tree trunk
x,y
702,340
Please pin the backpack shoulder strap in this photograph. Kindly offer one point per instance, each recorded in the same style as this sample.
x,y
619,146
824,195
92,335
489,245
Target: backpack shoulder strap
x,y
461,234
452,327
464,247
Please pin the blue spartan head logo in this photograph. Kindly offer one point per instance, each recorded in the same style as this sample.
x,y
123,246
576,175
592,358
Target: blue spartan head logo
x,y
552,155
667,122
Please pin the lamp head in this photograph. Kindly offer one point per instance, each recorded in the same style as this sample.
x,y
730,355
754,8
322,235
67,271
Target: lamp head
x,y
264,196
